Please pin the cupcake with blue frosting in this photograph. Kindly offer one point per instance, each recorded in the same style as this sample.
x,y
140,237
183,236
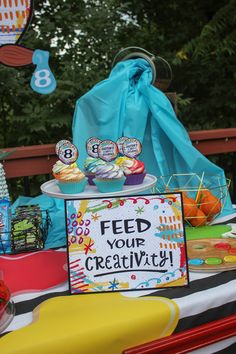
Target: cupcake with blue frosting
x,y
109,178
90,166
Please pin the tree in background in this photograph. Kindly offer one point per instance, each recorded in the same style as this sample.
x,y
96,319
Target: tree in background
x,y
198,39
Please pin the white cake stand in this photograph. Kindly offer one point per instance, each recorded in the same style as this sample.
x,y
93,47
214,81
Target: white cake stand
x,y
51,189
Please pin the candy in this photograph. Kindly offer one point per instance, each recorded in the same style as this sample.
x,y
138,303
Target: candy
x,y
222,246
199,247
230,259
195,261
213,261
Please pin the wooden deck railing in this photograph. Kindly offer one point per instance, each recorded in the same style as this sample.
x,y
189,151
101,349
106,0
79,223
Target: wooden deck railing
x,y
39,159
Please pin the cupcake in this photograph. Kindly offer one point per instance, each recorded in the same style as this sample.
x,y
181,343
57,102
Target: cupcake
x,y
70,179
109,178
90,166
133,169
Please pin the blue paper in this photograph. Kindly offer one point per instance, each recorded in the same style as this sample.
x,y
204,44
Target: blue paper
x,y
127,104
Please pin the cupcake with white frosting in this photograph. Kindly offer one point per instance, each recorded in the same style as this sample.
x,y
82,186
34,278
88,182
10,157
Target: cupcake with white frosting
x,y
69,178
109,178
133,169
90,167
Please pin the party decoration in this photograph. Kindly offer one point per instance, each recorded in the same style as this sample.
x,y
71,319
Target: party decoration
x,y
23,272
67,152
120,143
125,243
3,184
131,147
107,150
5,211
59,144
92,146
15,16
103,326
42,80
203,195
14,55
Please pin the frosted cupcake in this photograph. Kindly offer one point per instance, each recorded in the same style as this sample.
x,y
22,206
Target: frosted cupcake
x,y
70,179
109,178
90,166
133,169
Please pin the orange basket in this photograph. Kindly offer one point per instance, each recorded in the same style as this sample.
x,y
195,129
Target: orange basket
x,y
203,195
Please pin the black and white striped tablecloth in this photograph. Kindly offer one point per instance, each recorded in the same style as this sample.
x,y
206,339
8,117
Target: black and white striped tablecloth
x,y
210,296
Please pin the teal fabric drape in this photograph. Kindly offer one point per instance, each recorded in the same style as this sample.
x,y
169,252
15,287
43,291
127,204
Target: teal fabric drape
x,y
127,104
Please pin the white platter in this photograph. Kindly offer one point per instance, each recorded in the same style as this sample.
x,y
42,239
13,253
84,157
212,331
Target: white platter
x,y
51,188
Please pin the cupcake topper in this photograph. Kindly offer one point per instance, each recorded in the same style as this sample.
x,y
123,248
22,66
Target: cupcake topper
x,y
92,146
107,150
60,143
67,152
131,147
120,143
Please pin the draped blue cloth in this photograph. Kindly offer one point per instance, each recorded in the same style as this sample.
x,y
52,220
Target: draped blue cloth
x,y
127,104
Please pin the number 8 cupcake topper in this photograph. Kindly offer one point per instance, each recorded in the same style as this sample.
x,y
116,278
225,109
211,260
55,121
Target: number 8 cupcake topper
x,y
67,152
15,17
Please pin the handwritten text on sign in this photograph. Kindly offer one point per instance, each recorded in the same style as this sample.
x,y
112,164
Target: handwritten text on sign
x,y
124,243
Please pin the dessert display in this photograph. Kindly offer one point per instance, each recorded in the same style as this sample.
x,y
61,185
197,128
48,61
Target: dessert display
x,y
69,178
109,178
90,166
133,169
108,166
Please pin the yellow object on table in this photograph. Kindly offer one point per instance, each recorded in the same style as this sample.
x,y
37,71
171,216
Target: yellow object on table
x,y
97,323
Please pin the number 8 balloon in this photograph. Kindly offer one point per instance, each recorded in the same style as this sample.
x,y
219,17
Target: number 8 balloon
x,y
15,17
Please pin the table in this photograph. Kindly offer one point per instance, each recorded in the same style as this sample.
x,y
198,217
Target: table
x,y
211,296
